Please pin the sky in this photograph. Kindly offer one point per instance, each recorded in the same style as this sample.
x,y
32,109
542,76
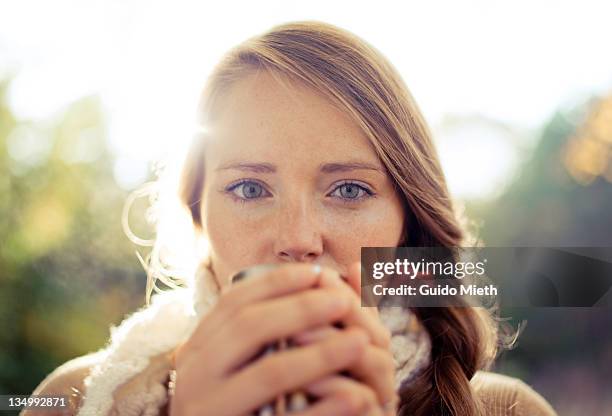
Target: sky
x,y
510,63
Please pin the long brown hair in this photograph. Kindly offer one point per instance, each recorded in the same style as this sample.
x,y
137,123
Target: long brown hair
x,y
359,78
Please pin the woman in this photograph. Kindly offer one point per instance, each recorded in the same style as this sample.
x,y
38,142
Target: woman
x,y
313,149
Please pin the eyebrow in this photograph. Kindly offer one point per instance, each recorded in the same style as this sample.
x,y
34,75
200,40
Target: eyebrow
x,y
349,166
325,168
249,167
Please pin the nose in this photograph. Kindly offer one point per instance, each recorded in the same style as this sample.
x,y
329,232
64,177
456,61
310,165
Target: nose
x,y
299,233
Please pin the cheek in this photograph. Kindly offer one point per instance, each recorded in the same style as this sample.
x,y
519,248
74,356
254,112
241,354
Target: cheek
x,y
379,225
235,234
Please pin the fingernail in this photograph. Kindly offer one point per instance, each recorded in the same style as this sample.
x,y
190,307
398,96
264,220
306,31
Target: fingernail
x,y
297,402
267,410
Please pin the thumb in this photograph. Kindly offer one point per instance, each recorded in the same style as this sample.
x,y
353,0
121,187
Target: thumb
x,y
354,280
354,277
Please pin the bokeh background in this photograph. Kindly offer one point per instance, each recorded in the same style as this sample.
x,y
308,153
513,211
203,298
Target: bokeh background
x,y
93,94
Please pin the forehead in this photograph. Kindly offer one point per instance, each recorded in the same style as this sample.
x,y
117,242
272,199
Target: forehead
x,y
260,116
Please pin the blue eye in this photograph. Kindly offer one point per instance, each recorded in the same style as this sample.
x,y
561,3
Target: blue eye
x,y
351,192
247,190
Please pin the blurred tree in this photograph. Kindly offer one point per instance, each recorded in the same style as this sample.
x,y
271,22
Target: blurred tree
x,y
66,268
562,196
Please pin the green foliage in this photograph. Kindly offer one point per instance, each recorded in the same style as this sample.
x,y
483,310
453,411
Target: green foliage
x,y
564,353
66,269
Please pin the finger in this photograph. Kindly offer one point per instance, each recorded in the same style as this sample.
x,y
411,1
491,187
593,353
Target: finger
x,y
329,406
365,289
285,279
282,280
353,277
359,397
291,314
375,367
358,316
354,280
314,335
291,369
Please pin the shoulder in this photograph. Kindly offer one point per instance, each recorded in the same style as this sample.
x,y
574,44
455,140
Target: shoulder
x,y
67,379
504,395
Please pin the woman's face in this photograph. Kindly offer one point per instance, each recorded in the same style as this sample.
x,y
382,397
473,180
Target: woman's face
x,y
290,178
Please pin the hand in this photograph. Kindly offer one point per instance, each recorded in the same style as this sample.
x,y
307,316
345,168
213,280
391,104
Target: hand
x,y
213,372
376,367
